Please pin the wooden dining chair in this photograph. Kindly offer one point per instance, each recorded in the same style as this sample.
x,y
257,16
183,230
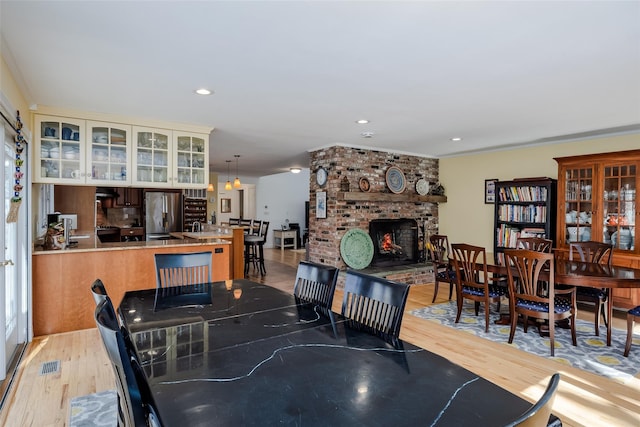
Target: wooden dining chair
x,y
529,296
179,269
537,244
442,269
539,414
374,304
316,283
473,281
599,253
135,402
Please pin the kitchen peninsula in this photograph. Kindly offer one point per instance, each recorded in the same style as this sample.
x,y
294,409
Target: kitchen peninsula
x,y
62,300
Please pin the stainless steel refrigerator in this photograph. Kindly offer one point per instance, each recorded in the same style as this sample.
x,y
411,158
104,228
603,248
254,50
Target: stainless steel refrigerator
x,y
163,214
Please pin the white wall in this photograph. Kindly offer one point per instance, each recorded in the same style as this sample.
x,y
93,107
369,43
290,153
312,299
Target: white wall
x,y
280,197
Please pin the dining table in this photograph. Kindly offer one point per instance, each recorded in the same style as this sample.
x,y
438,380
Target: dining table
x,y
240,353
588,274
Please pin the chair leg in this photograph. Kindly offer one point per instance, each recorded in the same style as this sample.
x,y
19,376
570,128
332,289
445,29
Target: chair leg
x,y
487,306
459,303
450,290
596,321
552,343
627,345
514,322
435,292
574,339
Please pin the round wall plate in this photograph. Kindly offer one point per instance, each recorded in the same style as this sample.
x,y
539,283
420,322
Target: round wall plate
x,y
364,185
422,187
395,180
356,248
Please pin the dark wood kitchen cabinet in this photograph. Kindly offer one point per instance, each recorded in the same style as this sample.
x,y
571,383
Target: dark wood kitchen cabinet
x,y
128,197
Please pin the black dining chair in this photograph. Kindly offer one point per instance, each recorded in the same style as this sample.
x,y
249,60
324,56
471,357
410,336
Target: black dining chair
x,y
135,402
539,415
99,291
473,281
531,297
443,272
374,304
316,284
180,269
599,253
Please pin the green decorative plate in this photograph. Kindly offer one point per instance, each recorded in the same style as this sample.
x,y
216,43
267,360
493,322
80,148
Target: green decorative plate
x,y
356,248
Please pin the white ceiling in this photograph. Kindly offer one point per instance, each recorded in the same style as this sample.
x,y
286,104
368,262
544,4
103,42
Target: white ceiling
x,y
295,76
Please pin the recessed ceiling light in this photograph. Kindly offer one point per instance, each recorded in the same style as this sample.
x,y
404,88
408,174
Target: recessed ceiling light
x,y
203,91
457,138
295,170
362,121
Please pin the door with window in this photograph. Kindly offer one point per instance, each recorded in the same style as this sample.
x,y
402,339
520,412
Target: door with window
x,y
14,271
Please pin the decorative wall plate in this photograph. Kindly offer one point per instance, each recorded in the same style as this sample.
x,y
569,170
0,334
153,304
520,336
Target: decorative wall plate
x,y
422,187
395,180
364,185
356,248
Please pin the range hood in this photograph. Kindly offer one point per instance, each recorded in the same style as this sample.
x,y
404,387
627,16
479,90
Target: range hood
x,y
106,193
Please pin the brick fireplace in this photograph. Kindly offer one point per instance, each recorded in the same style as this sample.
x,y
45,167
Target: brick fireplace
x,y
395,242
345,167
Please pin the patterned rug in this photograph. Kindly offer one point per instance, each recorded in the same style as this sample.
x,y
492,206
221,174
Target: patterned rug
x,y
591,354
98,409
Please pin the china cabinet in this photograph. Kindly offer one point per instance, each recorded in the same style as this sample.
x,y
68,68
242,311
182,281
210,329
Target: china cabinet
x,y
523,208
59,150
191,160
597,201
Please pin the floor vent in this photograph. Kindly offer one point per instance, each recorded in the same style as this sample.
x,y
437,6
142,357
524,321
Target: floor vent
x,y
50,367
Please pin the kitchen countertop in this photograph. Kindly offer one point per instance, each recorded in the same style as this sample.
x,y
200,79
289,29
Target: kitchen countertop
x,y
93,244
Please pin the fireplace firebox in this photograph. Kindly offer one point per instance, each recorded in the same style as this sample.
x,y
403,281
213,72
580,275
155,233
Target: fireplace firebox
x,y
395,242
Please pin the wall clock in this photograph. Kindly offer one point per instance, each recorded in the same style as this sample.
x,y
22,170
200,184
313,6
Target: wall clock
x,y
321,176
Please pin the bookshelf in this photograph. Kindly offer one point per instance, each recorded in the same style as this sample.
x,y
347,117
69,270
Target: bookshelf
x,y
523,208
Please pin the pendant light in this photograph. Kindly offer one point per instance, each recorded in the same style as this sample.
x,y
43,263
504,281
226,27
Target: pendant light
x,y
227,186
236,182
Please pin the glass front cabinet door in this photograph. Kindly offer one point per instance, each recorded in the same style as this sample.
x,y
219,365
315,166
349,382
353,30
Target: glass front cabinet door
x,y
152,159
109,156
597,201
191,163
59,150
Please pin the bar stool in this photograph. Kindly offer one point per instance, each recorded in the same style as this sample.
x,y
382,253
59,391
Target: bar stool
x,y
254,249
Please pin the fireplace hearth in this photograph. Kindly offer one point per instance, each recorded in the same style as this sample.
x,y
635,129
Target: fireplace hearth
x,y
395,242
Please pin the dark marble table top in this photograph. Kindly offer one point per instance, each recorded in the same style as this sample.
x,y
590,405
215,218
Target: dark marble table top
x,y
245,354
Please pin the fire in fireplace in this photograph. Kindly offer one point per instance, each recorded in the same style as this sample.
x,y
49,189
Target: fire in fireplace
x,y
395,242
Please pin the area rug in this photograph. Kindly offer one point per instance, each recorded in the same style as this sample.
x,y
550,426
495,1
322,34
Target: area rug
x,y
592,354
98,409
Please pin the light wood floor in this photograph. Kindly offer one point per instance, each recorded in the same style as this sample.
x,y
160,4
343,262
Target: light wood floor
x,y
583,399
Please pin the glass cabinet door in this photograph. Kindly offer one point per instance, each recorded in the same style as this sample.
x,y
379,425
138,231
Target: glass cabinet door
x,y
59,150
619,206
191,165
151,156
578,204
109,156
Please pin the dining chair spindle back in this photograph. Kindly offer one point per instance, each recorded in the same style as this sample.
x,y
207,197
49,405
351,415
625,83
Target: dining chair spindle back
x,y
473,281
374,304
537,244
180,269
442,269
539,414
531,297
316,283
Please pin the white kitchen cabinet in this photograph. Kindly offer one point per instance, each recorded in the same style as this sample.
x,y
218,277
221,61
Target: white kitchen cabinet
x,y
109,155
152,157
191,164
59,151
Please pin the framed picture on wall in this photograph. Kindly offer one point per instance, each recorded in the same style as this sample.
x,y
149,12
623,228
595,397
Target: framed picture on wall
x,y
225,205
321,204
490,191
